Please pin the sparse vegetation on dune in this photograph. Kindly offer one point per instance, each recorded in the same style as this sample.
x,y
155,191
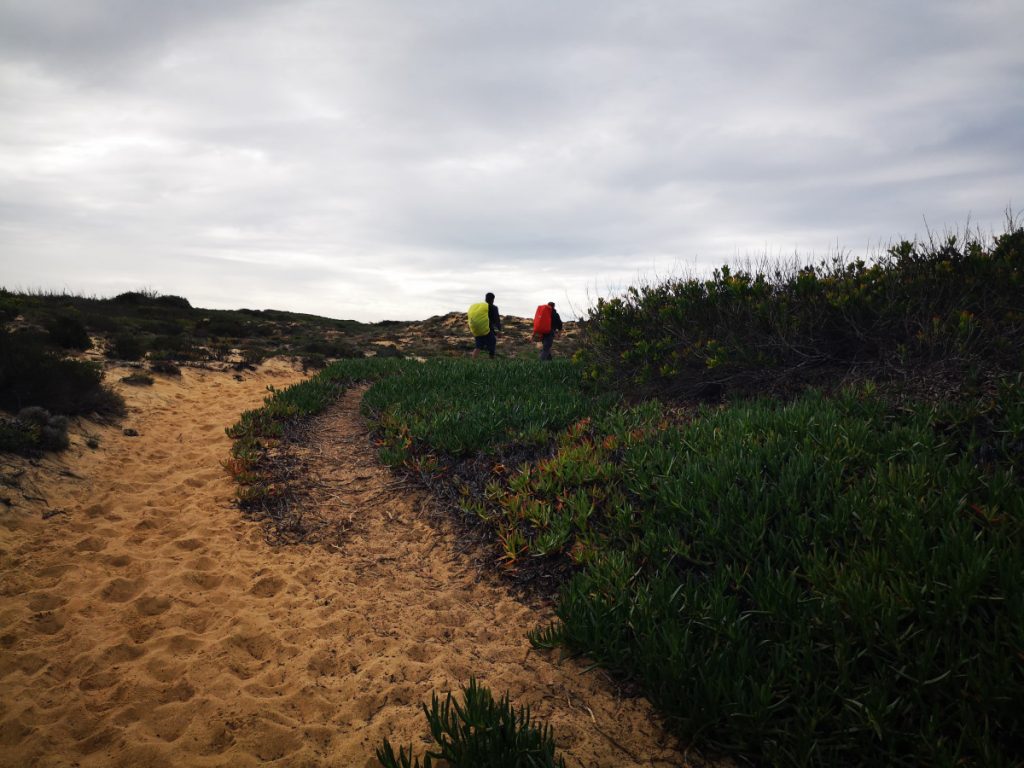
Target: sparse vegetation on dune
x,y
829,577
46,334
33,374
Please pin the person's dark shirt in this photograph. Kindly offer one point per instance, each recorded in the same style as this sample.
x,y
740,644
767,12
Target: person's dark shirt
x,y
493,317
556,321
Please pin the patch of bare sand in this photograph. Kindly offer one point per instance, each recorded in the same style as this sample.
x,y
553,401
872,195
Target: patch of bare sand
x,y
144,623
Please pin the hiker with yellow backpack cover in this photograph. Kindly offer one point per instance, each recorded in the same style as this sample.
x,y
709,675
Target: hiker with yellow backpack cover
x,y
484,324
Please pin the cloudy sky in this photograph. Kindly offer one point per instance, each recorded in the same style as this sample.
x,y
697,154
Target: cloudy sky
x,y
395,159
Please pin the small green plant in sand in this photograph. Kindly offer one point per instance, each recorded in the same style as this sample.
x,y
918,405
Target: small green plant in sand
x,y
478,733
33,431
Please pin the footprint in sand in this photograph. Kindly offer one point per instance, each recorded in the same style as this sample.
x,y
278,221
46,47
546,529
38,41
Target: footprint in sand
x,y
91,544
203,563
13,731
141,632
148,605
120,590
120,653
48,623
196,621
44,601
270,741
267,587
169,722
181,690
97,741
203,579
165,670
99,681
94,511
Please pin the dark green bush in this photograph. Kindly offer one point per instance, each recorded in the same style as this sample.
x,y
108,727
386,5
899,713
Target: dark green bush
x,y
10,307
148,297
162,327
126,346
954,302
33,431
165,367
314,361
177,302
225,327
19,438
173,348
109,324
479,733
31,375
336,348
68,332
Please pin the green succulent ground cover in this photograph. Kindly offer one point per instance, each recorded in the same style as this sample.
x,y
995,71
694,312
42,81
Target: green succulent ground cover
x,y
460,407
833,580
826,582
479,732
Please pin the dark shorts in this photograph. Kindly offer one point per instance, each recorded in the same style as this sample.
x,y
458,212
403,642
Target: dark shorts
x,y
488,342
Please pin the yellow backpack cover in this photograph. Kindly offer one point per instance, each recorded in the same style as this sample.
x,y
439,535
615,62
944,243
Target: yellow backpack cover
x,y
479,320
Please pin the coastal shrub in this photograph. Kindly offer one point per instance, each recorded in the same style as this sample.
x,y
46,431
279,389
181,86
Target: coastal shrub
x,y
224,327
10,307
314,361
162,327
33,431
479,733
150,297
336,348
953,301
165,367
67,332
32,375
178,347
126,346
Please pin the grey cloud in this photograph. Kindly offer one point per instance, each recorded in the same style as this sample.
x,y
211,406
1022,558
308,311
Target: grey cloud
x,y
408,153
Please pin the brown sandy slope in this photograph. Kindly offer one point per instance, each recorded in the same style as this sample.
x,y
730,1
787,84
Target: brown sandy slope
x,y
144,623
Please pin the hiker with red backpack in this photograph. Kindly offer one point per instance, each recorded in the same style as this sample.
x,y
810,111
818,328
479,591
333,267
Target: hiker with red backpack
x,y
484,324
546,323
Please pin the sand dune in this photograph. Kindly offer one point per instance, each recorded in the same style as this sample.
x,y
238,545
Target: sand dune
x,y
143,622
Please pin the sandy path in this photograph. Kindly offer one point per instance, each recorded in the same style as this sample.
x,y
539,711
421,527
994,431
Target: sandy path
x,y
146,624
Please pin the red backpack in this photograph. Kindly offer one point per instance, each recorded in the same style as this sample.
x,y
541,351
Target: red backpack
x,y
542,320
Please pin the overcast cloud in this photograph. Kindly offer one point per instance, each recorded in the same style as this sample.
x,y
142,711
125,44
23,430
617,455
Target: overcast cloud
x,y
397,159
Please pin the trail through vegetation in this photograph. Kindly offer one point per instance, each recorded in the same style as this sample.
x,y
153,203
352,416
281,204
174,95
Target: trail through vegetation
x,y
146,624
